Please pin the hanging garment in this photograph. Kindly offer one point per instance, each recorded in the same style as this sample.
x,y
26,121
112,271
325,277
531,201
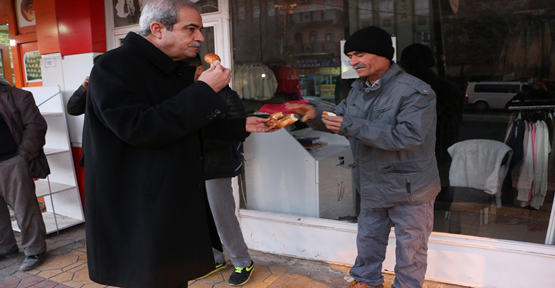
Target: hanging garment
x,y
541,165
254,81
526,175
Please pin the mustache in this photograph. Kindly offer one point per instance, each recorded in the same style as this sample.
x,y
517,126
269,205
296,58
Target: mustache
x,y
359,65
195,44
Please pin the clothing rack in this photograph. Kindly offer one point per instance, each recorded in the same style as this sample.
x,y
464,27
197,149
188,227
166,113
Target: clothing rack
x,y
532,107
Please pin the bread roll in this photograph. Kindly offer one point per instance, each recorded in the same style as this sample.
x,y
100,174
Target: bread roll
x,y
210,58
278,121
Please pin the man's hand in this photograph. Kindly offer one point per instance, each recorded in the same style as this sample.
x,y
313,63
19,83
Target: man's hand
x,y
306,110
217,77
258,125
86,83
332,122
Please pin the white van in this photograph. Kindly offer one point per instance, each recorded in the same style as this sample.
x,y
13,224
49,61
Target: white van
x,y
491,95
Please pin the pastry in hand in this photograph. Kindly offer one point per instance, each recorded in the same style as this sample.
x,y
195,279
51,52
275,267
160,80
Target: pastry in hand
x,y
211,58
278,121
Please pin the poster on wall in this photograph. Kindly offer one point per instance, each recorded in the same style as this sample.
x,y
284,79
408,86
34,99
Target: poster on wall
x,y
31,61
127,12
25,15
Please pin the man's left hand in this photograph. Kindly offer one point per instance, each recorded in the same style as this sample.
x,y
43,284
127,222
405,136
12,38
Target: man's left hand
x,y
332,122
258,125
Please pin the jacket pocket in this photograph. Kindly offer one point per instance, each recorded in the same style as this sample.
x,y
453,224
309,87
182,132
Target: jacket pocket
x,y
380,113
399,181
158,172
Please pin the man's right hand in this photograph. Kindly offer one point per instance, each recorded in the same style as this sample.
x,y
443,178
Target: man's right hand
x,y
306,110
217,77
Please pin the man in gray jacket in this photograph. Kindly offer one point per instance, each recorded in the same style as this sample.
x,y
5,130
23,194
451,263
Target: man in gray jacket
x,y
389,118
22,136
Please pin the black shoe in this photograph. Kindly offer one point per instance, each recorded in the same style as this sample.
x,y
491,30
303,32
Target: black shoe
x,y
241,275
219,267
14,250
32,262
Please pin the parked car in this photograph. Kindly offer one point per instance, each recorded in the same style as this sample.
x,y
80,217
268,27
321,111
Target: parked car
x,y
491,95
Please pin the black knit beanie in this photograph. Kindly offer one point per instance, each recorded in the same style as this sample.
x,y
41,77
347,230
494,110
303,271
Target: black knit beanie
x,y
372,40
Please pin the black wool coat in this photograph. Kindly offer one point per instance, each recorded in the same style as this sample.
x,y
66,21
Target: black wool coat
x,y
148,222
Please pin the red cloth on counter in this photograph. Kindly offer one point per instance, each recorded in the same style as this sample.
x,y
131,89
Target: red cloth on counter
x,y
273,108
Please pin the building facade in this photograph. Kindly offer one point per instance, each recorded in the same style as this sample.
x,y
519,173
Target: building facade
x,y
499,53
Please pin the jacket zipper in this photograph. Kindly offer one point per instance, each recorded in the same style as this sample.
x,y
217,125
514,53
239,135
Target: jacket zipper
x,y
409,191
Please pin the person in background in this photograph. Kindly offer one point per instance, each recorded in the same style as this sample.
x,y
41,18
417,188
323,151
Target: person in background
x,y
389,119
222,161
77,101
418,60
22,136
147,214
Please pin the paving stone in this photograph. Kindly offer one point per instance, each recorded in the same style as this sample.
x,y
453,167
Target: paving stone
x,y
278,269
30,281
255,285
73,266
295,281
61,278
9,282
50,273
22,275
73,284
272,278
93,285
45,284
58,262
260,274
214,278
200,284
82,258
82,276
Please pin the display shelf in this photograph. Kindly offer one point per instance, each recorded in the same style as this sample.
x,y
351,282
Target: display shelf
x,y
44,189
53,222
59,190
52,151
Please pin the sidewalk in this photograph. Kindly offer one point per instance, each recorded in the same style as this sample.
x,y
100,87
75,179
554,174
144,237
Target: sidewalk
x,y
66,266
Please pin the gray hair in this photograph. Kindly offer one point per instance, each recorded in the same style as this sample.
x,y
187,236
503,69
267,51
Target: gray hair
x,y
163,11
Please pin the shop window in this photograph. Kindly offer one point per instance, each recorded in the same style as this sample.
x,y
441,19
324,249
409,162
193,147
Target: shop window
x,y
496,52
313,36
271,9
365,10
329,35
386,8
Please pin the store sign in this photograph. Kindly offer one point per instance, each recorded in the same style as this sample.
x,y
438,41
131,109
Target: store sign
x,y
317,63
347,71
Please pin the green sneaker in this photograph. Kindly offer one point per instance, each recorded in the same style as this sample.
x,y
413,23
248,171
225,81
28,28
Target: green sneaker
x,y
241,275
219,267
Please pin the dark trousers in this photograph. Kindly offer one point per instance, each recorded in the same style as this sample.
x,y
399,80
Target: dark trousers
x,y
18,191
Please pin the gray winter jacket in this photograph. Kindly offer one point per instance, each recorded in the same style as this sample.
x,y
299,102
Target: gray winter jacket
x,y
391,128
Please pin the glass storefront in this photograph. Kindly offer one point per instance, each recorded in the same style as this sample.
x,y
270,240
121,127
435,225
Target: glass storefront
x,y
497,120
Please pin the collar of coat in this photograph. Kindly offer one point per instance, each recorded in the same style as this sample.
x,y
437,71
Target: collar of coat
x,y
360,83
159,58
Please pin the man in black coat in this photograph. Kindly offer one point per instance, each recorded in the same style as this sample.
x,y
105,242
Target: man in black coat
x,y
147,215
